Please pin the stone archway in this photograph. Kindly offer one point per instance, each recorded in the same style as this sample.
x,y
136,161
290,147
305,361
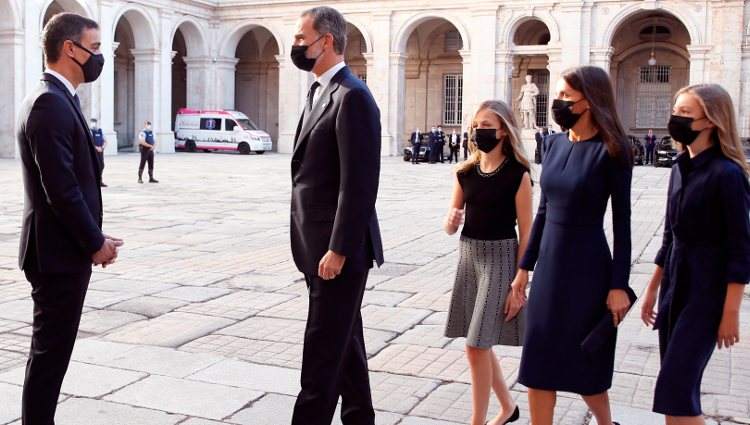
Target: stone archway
x,y
190,68
136,66
356,52
433,77
645,90
530,57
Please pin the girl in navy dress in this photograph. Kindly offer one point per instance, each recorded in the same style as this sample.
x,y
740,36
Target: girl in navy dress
x,y
704,262
577,281
494,187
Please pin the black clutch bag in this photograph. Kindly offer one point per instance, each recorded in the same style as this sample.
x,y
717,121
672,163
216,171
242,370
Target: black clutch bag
x,y
604,328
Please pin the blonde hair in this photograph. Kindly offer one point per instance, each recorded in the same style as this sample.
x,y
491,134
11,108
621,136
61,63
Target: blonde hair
x,y
718,108
511,145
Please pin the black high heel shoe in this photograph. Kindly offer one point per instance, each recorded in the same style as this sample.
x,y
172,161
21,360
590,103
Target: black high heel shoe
x,y
514,417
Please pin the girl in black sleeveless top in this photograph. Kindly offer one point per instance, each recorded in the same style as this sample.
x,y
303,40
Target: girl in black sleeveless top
x,y
493,187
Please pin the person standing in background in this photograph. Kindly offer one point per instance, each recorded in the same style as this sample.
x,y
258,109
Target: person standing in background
x,y
147,146
100,142
650,146
454,145
416,142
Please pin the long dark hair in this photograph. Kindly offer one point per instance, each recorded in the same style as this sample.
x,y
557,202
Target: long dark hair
x,y
596,87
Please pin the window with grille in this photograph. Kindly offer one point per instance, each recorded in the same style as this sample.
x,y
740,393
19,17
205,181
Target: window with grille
x,y
453,94
453,41
362,77
541,79
654,96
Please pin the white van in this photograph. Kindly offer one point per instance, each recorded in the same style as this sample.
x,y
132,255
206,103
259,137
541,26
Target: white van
x,y
218,130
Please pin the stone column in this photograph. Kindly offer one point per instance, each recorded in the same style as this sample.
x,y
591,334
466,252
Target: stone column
x,y
555,67
106,98
292,94
480,64
380,77
11,92
163,103
397,88
226,69
471,92
198,69
504,74
147,94
744,105
602,57
698,61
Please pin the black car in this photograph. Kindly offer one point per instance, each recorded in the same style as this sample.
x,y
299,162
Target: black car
x,y
639,152
424,153
665,153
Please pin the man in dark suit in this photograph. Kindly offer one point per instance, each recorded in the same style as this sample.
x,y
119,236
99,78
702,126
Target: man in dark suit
x,y
539,137
441,145
465,143
334,229
433,141
416,142
61,234
650,146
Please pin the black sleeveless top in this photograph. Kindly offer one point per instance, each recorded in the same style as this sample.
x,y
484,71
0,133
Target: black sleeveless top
x,y
491,200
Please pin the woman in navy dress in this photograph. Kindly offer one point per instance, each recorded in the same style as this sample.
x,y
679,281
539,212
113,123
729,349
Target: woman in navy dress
x,y
577,281
704,262
494,188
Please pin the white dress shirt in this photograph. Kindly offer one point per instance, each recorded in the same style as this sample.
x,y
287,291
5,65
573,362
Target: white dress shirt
x,y
325,79
64,80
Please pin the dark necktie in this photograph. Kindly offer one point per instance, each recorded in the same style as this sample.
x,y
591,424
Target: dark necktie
x,y
77,100
310,97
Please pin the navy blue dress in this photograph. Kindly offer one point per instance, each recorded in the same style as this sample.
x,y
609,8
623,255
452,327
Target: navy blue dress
x,y
706,245
574,267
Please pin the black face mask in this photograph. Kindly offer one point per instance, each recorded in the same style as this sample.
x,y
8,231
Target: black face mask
x,y
680,129
93,66
485,139
562,112
300,59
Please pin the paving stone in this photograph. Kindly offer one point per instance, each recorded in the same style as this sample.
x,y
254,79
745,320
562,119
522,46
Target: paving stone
x,y
103,299
15,342
269,379
397,393
272,409
268,329
100,321
422,361
169,330
437,318
238,305
10,402
196,421
142,287
185,397
10,325
376,340
255,351
179,276
162,361
11,359
629,415
83,380
21,310
15,291
193,294
92,350
384,298
428,300
427,335
261,282
395,319
295,308
149,306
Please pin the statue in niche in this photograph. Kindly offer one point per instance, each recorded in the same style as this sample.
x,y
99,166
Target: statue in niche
x,y
527,105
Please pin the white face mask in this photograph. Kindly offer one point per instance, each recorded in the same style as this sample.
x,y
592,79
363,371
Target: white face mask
x,y
148,127
92,125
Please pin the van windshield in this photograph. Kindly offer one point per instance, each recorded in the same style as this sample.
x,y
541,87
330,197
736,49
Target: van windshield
x,y
246,124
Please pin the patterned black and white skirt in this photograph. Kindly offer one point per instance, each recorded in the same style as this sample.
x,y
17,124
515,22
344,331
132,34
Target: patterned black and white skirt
x,y
486,269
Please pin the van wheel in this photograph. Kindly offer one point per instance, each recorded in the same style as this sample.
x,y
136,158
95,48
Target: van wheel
x,y
259,152
207,150
190,146
244,149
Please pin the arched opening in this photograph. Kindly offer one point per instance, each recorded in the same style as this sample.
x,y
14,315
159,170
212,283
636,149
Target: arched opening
x,y
84,90
179,75
433,74
136,62
256,85
356,48
645,88
8,91
530,41
190,65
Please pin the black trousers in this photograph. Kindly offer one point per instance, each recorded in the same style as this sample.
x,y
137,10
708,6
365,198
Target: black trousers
x,y
415,153
146,156
334,361
649,156
453,155
441,156
58,300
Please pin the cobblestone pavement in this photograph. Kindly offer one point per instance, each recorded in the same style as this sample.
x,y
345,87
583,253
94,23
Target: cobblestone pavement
x,y
201,320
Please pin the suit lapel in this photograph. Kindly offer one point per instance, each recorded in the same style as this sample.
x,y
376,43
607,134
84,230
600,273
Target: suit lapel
x,y
323,104
87,131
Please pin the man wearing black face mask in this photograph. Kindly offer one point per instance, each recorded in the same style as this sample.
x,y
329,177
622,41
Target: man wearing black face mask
x,y
61,236
334,229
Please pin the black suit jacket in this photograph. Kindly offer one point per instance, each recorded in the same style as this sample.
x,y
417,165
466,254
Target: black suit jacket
x,y
62,215
413,138
335,176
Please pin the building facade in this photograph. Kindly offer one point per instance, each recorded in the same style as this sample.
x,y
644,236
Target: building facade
x,y
426,62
